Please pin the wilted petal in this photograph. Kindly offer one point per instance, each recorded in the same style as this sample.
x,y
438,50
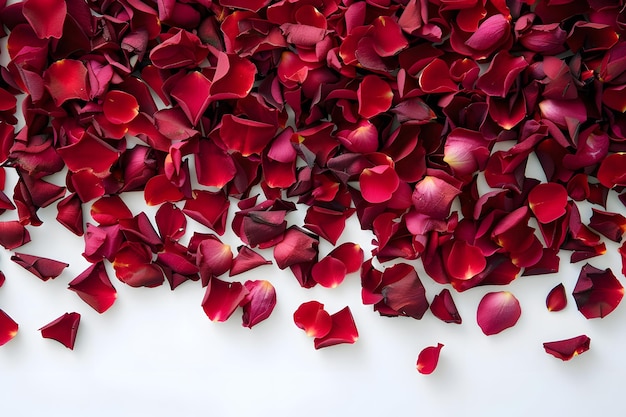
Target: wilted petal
x,y
612,170
611,225
465,261
246,260
8,328
342,330
497,311
568,348
222,298
428,359
597,292
120,107
313,319
556,299
374,96
46,17
94,287
378,183
13,234
43,268
444,309
297,246
63,329
329,272
67,79
259,302
548,201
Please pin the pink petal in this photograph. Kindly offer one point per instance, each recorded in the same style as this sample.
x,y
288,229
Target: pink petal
x,y
246,260
378,183
428,359
259,303
222,298
597,292
374,95
343,330
43,268
8,328
557,299
46,17
491,32
548,201
94,287
433,196
313,319
497,311
444,309
568,348
329,272
63,329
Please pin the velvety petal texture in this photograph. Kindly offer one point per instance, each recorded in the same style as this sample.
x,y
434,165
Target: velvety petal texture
x,y
498,311
63,329
568,348
428,359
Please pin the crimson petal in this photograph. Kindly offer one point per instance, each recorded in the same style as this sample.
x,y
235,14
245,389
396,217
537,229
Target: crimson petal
x,y
568,348
214,258
208,208
95,288
313,319
497,311
351,254
46,17
342,330
465,261
612,170
329,272
405,293
222,298
297,246
556,299
246,260
259,302
43,268
8,328
67,79
444,309
120,107
192,94
13,234
133,266
428,359
374,95
70,214
597,292
378,183
548,201
63,329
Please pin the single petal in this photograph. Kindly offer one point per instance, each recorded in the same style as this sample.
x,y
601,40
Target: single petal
x,y
70,214
497,311
13,234
246,136
8,328
327,223
597,292
374,96
556,299
170,221
95,288
444,309
342,330
329,272
612,170
568,348
160,189
234,77
435,78
259,302
433,196
548,201
351,254
465,261
405,293
428,359
67,79
222,298
613,97
46,17
297,246
388,36
208,208
246,260
192,94
378,183
313,319
43,268
491,32
214,258
501,74
133,266
63,329
611,225
120,107
110,210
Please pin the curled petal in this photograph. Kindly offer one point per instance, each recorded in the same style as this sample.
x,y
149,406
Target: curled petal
x,y
556,299
548,201
313,319
444,309
428,359
110,210
259,302
501,74
497,311
342,330
8,328
63,329
133,266
329,272
568,348
246,260
611,225
70,214
94,287
214,258
222,298
13,234
183,49
43,268
378,183
597,292
208,208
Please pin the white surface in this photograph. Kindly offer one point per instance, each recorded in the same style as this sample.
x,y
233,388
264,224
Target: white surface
x,y
156,353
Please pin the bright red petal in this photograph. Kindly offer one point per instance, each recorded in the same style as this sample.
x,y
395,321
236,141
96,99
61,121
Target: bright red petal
x,y
568,348
46,17
342,330
351,254
374,95
192,94
222,299
428,359
378,183
612,170
63,329
297,246
329,272
313,319
497,311
67,79
120,107
8,328
548,201
465,261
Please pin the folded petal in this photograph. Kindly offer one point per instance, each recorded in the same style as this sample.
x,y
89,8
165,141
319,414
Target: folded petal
x,y
501,74
192,94
405,294
497,311
214,258
133,266
568,348
43,268
556,299
313,319
246,260
95,288
351,254
297,246
208,208
222,298
444,309
428,359
13,234
342,330
259,302
70,214
8,328
597,292
63,329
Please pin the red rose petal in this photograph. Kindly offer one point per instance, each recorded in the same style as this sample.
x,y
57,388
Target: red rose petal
x,y
120,107
313,319
234,77
246,260
556,299
297,246
110,210
497,311
611,225
378,183
170,221
13,234
433,196
428,359
46,17
133,266
214,258
192,94
8,328
444,309
342,330
329,272
63,329
259,302
222,298
67,79
374,95
43,268
245,136
612,170
465,261
597,292
501,74
568,348
208,208
94,287
351,254
70,214
405,294
548,201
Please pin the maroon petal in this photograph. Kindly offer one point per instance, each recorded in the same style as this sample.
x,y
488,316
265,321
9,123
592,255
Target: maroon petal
x,y
465,261
13,234
444,309
611,225
94,287
246,260
548,201
43,268
428,359
556,299
297,246
343,330
133,266
67,79
501,74
597,292
612,170
222,298
259,302
378,183
329,272
170,221
70,214
120,107
192,94
63,329
374,95
313,319
568,348
8,328
613,97
561,111
497,311
208,208
351,254
405,294
46,17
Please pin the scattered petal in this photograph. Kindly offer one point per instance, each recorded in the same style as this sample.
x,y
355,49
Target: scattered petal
x,y
95,288
497,311
342,330
222,298
259,302
428,359
557,299
63,329
568,348
8,328
43,268
597,292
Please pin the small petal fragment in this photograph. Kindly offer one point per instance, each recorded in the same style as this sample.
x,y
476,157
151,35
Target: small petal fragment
x,y
8,328
568,348
342,330
428,359
43,268
557,299
313,319
63,329
259,302
497,311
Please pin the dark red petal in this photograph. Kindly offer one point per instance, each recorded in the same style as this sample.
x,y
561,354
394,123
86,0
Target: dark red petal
x,y
246,260
428,359
120,107
613,97
556,299
133,266
378,183
597,292
13,234
313,319
388,36
2,278
568,348
77,155
465,261
160,189
246,136
297,246
208,208
329,272
501,74
43,268
259,302
548,201
612,170
110,210
170,221
8,328
374,95
70,214
497,311
67,79
192,94
351,254
63,329
222,298
433,196
342,330
435,78
234,77
95,288
405,293
46,17
444,309
611,225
